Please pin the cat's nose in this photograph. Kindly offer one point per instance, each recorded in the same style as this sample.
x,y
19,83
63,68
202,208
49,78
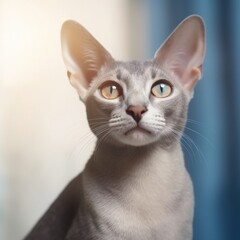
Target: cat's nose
x,y
136,112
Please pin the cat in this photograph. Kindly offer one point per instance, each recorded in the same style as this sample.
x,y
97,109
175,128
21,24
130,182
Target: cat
x,y
135,185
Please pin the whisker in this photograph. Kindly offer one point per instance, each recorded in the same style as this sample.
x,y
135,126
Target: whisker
x,y
82,142
203,137
192,130
101,140
100,118
90,138
201,154
187,140
185,144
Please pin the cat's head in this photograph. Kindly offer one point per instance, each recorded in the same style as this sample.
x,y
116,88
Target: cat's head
x,y
136,103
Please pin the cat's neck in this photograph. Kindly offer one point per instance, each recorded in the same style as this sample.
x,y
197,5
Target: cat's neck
x,y
130,177
114,163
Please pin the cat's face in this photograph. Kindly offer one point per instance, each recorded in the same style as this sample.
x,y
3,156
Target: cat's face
x,y
136,103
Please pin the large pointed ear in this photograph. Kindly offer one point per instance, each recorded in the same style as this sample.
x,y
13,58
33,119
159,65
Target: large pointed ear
x,y
183,52
83,55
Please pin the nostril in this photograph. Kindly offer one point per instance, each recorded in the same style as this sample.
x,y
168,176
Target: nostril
x,y
136,112
130,112
143,111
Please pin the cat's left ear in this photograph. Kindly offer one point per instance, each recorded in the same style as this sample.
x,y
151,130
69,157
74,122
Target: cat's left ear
x,y
83,55
183,52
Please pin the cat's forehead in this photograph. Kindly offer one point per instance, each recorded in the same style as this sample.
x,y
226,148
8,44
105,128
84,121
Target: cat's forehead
x,y
140,71
132,68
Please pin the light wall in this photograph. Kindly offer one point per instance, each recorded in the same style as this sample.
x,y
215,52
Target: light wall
x,y
45,139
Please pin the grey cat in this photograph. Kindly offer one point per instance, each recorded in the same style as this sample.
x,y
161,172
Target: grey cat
x,y
135,185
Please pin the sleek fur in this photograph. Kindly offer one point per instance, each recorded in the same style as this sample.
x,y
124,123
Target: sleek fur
x,y
135,185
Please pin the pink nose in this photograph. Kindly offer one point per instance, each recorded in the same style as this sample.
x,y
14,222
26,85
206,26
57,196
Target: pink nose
x,y
136,112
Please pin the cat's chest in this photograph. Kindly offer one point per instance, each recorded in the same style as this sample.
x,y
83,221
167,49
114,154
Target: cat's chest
x,y
141,215
141,206
138,213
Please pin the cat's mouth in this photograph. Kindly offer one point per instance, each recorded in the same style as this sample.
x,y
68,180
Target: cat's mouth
x,y
137,129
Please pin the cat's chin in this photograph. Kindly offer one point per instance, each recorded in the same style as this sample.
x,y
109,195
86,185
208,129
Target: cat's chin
x,y
137,131
137,137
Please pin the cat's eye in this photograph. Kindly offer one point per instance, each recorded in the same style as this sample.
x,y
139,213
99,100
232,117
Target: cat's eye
x,y
110,90
161,89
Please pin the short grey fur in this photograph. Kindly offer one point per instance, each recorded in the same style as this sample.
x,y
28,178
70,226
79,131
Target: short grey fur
x,y
135,185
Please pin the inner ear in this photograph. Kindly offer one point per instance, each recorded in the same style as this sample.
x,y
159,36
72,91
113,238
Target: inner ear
x,y
183,52
83,55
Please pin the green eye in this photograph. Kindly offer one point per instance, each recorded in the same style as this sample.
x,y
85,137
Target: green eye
x,y
161,89
111,90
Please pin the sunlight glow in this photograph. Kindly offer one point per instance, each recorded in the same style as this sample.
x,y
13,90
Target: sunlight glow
x,y
18,39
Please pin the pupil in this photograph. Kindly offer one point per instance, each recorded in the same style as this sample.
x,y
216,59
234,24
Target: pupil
x,y
162,88
112,88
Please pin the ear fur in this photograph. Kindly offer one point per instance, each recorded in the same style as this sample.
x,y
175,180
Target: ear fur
x,y
83,56
183,52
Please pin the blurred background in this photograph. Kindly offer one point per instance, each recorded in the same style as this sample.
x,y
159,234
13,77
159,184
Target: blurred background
x,y
45,140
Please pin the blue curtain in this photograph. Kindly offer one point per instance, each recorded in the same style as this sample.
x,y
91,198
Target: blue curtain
x,y
212,142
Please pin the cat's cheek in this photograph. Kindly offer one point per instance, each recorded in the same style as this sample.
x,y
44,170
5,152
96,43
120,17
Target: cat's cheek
x,y
105,106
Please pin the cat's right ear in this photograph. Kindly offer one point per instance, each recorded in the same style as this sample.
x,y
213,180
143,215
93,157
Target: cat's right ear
x,y
83,56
